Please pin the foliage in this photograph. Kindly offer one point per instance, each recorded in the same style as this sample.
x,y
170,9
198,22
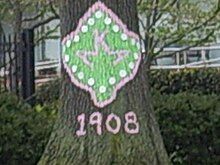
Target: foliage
x,y
188,113
189,120
27,7
187,23
30,14
205,81
24,131
48,92
189,125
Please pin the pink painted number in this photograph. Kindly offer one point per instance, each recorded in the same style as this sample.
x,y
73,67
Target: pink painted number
x,y
96,119
131,125
131,119
110,118
81,120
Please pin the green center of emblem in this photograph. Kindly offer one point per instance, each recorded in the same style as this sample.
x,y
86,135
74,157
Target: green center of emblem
x,y
101,55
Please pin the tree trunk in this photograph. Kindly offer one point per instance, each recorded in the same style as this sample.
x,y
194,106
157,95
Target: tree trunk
x,y
1,29
65,147
17,28
17,23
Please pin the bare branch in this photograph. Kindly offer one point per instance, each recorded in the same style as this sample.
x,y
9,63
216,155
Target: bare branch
x,y
33,18
47,35
42,12
153,56
180,37
142,23
198,42
155,10
45,21
157,13
170,3
53,9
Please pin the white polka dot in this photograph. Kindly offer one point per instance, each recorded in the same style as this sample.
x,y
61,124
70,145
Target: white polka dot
x,y
124,37
76,38
91,81
74,68
68,43
66,58
133,42
135,56
98,14
108,21
122,73
80,75
91,21
112,81
102,89
115,28
138,45
84,29
131,65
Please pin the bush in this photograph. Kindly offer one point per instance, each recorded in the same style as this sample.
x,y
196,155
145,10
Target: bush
x,y
205,81
48,92
189,120
190,125
188,111
24,131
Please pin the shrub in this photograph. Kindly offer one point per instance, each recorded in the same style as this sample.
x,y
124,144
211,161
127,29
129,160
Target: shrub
x,y
189,125
189,121
48,92
24,131
205,81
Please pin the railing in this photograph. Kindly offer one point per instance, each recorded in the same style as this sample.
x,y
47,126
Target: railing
x,y
47,65
46,71
170,58
197,57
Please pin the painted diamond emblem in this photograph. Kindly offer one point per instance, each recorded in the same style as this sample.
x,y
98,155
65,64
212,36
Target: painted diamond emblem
x,y
101,55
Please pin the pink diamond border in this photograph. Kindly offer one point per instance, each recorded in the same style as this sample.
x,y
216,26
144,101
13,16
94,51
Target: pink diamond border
x,y
101,6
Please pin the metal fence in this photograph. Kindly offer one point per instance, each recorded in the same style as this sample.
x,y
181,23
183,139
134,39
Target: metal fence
x,y
196,57
17,64
9,63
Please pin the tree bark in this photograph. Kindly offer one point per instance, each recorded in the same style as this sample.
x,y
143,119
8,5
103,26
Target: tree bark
x,y
1,29
64,147
17,28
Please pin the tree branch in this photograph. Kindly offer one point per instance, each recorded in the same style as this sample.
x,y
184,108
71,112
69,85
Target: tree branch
x,y
45,21
198,42
53,9
33,18
42,12
47,35
180,37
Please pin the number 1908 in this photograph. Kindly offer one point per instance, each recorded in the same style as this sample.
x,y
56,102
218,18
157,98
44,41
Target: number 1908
x,y
131,124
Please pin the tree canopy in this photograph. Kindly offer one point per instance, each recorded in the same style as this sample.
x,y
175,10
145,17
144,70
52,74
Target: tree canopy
x,y
163,23
184,23
27,13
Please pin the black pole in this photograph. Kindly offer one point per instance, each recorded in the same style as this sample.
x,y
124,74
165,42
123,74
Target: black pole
x,y
28,66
